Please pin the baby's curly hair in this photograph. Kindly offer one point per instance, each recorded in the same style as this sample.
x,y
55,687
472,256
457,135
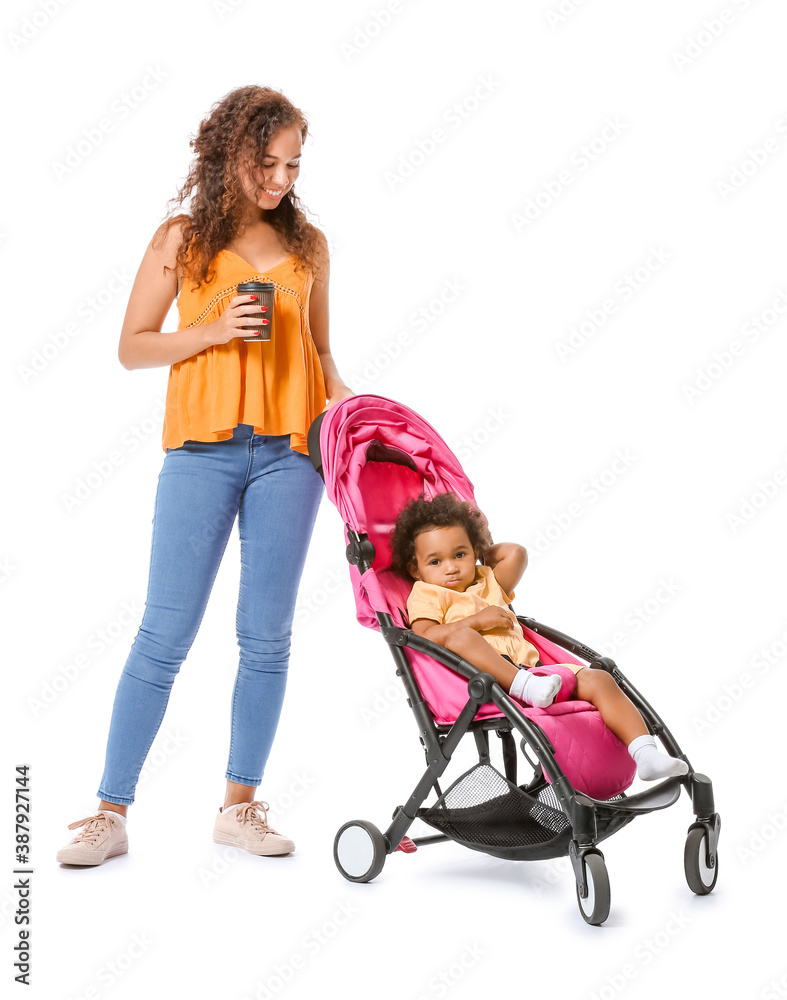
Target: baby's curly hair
x,y
443,511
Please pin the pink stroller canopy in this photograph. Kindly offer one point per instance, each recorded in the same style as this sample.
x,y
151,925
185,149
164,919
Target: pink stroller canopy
x,y
357,435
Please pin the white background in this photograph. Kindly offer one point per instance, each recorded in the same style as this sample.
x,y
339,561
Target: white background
x,y
655,565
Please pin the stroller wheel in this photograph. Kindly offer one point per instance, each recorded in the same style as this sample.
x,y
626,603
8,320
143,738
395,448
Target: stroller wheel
x,y
595,906
359,851
699,875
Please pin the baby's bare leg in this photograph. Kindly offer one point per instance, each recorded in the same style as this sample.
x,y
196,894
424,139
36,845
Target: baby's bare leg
x,y
623,718
617,710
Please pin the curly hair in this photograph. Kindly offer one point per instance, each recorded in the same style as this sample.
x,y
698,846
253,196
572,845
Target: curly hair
x,y
235,132
443,511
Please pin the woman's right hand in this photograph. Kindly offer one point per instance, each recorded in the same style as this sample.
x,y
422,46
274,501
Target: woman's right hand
x,y
241,311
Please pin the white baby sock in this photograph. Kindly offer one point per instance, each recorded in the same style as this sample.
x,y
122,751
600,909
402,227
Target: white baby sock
x,y
651,763
538,691
112,812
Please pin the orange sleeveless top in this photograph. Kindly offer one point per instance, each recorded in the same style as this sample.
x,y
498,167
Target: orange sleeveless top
x,y
277,386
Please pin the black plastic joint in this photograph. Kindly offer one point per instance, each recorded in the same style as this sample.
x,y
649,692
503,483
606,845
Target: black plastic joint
x,y
583,820
479,688
603,663
395,636
702,794
360,549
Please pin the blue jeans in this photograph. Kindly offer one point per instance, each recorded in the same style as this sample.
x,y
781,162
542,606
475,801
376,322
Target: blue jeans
x,y
275,492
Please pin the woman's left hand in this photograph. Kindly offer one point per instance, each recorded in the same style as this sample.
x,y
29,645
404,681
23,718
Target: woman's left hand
x,y
341,391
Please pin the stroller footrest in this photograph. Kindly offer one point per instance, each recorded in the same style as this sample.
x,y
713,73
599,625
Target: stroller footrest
x,y
664,794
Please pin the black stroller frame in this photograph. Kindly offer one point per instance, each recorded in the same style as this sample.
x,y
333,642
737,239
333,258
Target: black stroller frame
x,y
527,822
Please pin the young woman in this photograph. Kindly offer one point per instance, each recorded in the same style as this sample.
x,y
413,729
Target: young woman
x,y
235,428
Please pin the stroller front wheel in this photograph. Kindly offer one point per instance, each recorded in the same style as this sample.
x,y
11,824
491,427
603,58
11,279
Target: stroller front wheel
x,y
359,851
595,906
700,876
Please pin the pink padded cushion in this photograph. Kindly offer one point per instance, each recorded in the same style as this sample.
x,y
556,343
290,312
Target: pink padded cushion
x,y
594,760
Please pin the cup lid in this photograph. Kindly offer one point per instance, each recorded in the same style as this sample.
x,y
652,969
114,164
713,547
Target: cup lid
x,y
255,286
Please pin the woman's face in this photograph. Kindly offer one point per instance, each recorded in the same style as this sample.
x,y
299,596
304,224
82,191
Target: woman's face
x,y
280,167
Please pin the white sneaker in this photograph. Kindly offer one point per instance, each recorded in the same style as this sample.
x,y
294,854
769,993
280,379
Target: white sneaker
x,y
246,826
104,837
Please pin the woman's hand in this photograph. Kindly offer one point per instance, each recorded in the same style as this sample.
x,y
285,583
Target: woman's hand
x,y
241,311
337,392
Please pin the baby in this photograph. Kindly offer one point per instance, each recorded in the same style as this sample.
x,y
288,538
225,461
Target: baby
x,y
463,607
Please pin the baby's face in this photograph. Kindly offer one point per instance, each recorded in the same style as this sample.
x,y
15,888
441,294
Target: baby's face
x,y
444,556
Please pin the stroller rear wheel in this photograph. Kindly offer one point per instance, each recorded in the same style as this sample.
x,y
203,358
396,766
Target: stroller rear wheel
x,y
359,851
595,906
700,876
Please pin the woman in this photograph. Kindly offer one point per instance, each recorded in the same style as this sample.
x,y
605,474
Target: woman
x,y
235,427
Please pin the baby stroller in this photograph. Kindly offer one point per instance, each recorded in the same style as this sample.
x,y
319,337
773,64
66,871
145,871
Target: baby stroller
x,y
374,455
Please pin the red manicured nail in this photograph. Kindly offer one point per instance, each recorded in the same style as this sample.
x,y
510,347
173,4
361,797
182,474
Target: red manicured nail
x,y
254,296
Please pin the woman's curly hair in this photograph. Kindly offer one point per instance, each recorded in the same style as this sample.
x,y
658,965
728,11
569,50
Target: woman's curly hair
x,y
443,511
236,131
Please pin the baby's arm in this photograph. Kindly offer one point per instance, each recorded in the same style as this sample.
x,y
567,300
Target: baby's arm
x,y
464,640
482,621
474,648
507,560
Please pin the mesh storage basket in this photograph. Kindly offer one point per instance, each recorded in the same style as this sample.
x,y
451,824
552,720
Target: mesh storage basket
x,y
485,811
